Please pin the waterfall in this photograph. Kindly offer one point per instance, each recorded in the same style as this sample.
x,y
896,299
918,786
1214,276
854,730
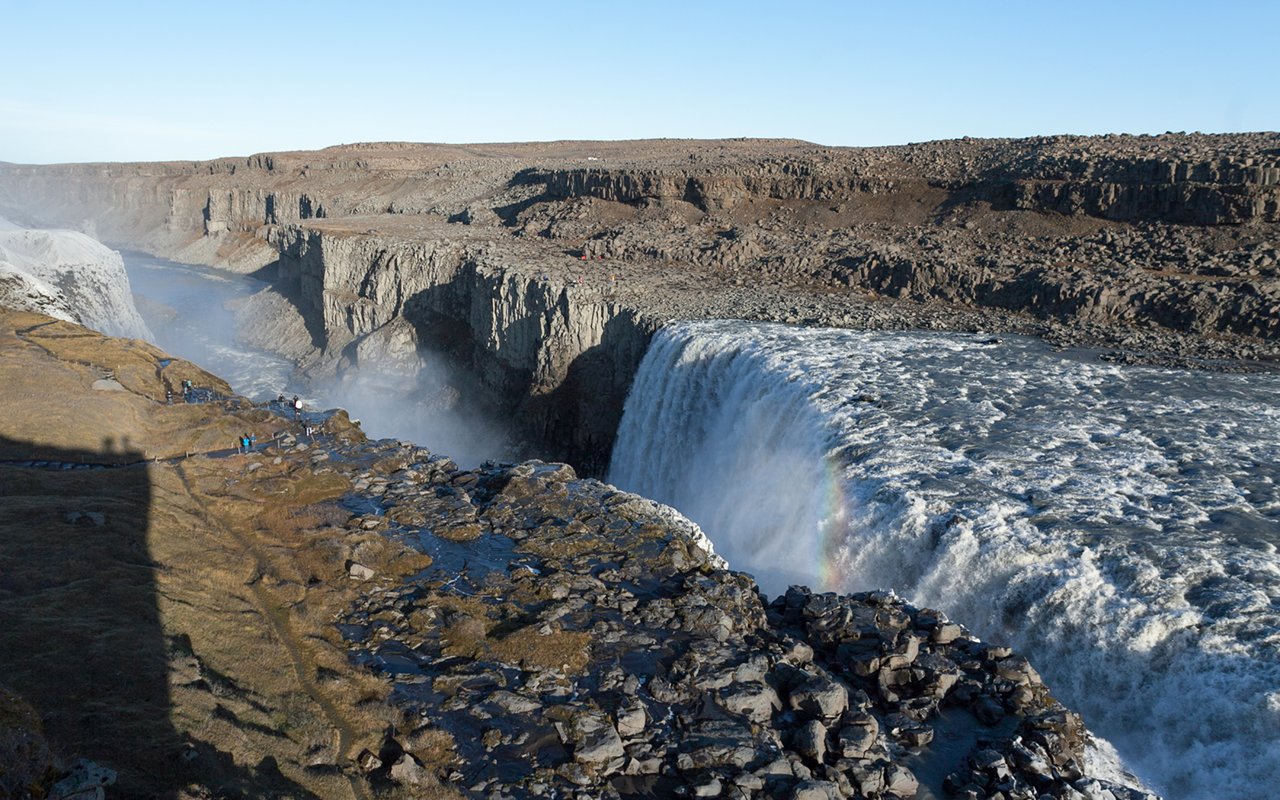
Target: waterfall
x,y
1119,526
73,272
732,453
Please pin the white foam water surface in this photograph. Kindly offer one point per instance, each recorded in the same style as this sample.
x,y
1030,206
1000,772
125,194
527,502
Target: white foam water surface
x,y
1118,525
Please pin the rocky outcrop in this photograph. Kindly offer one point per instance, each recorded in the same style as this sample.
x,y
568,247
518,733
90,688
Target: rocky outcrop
x,y
599,645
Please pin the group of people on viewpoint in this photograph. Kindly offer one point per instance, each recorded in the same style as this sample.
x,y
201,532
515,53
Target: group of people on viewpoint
x,y
187,388
248,442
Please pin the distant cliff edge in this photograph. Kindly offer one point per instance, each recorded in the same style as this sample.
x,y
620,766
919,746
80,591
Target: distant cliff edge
x,y
543,268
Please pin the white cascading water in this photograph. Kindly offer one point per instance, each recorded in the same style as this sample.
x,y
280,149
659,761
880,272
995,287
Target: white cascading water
x,y
1117,525
69,271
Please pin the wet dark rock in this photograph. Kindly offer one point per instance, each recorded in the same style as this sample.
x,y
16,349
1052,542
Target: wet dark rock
x,y
988,710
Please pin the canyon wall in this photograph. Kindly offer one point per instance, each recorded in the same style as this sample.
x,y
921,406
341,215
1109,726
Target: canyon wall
x,y
542,269
1199,183
556,357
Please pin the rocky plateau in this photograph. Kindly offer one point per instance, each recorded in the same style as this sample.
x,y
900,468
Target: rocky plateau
x,y
541,270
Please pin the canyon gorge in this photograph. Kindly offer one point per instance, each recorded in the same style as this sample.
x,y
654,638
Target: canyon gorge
x,y
1024,382
544,269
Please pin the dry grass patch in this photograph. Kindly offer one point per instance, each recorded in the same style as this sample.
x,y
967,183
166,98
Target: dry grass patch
x,y
47,371
559,544
469,632
133,362
531,649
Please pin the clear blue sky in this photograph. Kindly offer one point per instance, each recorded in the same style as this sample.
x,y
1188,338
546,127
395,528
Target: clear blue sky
x,y
98,81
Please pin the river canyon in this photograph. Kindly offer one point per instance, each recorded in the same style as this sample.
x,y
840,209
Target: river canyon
x,y
1026,382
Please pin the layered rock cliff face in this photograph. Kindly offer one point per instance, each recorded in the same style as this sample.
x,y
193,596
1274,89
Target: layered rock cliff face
x,y
1205,180
556,354
541,269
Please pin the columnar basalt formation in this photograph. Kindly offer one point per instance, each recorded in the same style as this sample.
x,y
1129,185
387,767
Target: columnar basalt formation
x,y
557,353
543,268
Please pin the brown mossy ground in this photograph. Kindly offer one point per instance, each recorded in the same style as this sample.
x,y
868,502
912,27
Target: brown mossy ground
x,y
48,369
473,632
179,630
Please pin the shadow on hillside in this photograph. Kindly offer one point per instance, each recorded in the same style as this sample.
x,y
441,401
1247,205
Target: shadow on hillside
x,y
82,640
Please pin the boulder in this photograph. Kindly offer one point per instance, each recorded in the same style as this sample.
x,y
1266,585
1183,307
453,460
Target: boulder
x,y
513,703
360,572
988,710
820,697
717,743
595,740
816,790
858,735
900,781
407,770
811,741
755,701
86,780
630,719
367,761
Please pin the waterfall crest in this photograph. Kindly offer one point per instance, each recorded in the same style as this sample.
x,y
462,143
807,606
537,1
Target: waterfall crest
x,y
1118,525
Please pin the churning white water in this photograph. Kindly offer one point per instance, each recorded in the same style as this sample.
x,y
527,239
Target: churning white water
x,y
1118,525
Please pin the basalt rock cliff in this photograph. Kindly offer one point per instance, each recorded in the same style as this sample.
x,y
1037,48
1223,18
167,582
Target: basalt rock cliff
x,y
544,268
